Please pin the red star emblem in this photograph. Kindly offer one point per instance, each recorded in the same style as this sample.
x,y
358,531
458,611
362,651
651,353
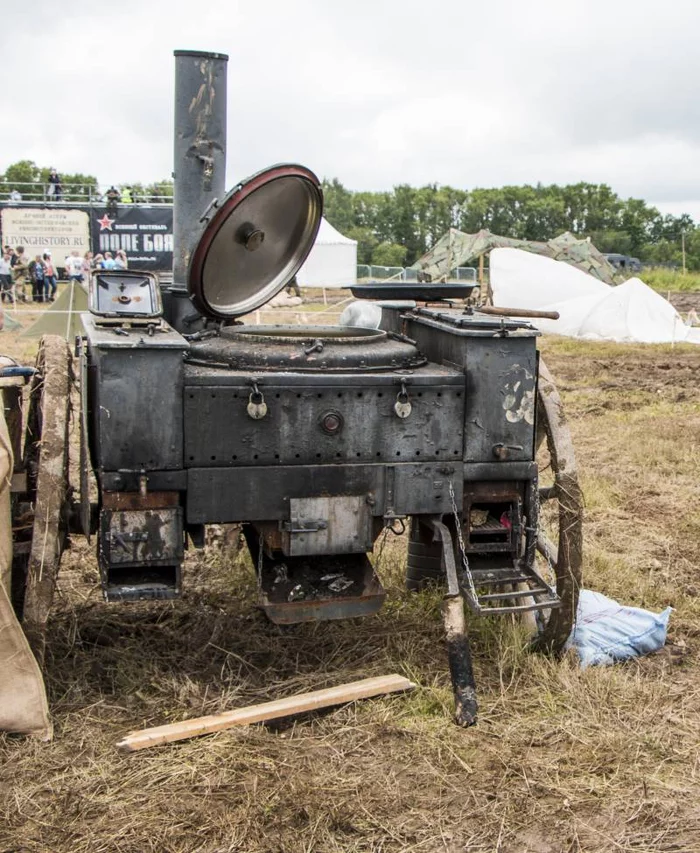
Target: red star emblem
x,y
105,223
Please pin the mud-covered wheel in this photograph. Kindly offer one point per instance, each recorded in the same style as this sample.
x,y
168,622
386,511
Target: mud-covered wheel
x,y
560,531
45,461
424,560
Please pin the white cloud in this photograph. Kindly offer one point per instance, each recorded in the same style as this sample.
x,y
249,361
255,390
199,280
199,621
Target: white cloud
x,y
375,93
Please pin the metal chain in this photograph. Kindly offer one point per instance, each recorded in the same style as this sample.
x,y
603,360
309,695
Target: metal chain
x,y
260,563
471,592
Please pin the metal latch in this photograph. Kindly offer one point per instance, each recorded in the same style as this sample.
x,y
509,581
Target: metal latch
x,y
296,525
124,537
502,451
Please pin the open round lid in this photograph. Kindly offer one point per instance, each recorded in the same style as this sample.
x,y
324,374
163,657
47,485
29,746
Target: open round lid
x,y
255,242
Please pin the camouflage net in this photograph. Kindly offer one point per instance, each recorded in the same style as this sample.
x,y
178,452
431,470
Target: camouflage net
x,y
457,249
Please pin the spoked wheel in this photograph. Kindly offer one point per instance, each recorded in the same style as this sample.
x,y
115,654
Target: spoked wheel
x,y
46,465
560,533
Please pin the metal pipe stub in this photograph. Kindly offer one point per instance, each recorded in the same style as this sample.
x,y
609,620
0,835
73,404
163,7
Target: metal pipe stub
x,y
458,650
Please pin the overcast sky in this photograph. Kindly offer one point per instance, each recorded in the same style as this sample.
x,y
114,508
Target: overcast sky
x,y
373,92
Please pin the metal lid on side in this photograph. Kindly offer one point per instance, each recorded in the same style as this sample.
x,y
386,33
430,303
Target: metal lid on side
x,y
255,241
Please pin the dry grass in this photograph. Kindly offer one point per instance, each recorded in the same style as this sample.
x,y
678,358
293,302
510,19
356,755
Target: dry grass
x,y
562,760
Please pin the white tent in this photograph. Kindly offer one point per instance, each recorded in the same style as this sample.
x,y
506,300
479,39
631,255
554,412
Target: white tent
x,y
332,262
587,307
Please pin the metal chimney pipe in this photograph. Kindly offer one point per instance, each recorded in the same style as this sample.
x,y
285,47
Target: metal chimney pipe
x,y
199,161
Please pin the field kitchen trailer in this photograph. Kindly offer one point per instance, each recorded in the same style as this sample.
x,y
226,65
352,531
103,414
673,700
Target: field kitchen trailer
x,y
316,439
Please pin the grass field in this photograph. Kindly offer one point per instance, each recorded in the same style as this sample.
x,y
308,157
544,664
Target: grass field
x,y
665,280
562,760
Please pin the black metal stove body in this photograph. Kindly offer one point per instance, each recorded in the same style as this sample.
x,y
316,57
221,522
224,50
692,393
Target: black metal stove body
x,y
315,439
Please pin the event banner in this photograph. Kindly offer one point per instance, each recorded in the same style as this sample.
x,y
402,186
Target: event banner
x,y
145,233
44,229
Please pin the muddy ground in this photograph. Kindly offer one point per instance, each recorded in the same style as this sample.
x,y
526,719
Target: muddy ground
x,y
562,760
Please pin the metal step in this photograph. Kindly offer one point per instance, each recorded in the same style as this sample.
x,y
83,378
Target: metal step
x,y
508,575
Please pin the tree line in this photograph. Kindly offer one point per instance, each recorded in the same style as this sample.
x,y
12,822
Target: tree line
x,y
395,228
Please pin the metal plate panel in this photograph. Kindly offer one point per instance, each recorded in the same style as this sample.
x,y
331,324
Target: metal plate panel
x,y
219,430
500,371
141,537
323,525
136,408
423,489
221,495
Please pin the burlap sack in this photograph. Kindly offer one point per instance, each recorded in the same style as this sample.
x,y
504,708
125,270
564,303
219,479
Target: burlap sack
x,y
23,705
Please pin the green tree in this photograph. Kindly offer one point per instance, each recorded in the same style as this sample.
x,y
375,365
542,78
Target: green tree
x,y
389,255
23,176
338,205
619,242
366,242
638,221
160,192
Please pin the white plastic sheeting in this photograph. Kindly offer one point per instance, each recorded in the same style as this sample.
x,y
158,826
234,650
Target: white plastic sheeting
x,y
588,308
332,262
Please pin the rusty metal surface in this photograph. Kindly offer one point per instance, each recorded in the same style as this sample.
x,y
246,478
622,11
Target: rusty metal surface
x,y
325,525
305,348
135,500
135,398
262,494
318,589
141,536
498,358
219,430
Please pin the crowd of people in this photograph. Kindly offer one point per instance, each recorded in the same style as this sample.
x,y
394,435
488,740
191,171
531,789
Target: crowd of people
x,y
18,272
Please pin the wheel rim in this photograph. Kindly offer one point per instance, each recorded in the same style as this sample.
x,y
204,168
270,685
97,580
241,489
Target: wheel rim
x,y
560,533
46,461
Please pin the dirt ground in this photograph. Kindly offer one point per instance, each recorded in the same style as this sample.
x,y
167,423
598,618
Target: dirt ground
x,y
562,759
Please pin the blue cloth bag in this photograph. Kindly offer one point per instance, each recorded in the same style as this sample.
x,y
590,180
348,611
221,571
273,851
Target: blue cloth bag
x,y
606,632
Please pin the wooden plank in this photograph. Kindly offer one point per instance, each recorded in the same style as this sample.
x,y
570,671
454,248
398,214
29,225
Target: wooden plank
x,y
298,704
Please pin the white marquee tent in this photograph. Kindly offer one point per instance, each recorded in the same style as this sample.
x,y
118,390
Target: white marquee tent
x,y
332,262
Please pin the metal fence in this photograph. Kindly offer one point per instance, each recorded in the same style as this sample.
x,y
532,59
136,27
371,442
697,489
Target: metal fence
x,y
35,192
464,274
383,273
377,273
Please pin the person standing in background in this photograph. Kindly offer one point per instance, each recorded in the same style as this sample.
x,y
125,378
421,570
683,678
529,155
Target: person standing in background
x,y
112,196
50,280
120,261
54,190
6,277
36,272
109,262
19,273
74,266
88,264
